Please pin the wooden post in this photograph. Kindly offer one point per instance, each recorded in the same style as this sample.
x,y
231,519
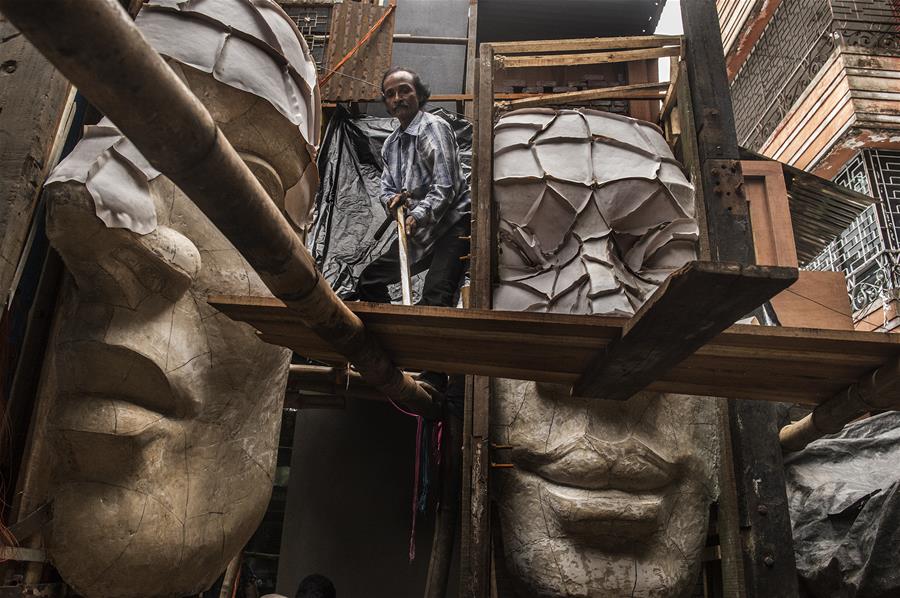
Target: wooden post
x,y
762,523
476,538
32,97
471,65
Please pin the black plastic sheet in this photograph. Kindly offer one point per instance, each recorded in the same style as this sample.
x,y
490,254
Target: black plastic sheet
x,y
844,498
348,211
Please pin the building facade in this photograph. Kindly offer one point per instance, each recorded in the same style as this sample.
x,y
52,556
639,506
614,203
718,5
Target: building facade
x,y
816,85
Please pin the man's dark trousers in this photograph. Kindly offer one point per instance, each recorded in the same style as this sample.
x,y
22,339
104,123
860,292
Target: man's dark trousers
x,y
445,270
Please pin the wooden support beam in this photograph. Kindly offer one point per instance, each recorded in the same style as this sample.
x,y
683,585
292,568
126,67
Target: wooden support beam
x,y
471,64
544,60
671,92
639,91
475,549
689,309
587,45
759,363
32,97
333,381
406,38
762,564
642,72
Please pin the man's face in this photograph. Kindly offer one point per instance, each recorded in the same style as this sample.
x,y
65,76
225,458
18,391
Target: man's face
x,y
400,96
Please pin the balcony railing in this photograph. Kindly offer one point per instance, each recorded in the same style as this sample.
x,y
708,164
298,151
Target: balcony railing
x,y
868,252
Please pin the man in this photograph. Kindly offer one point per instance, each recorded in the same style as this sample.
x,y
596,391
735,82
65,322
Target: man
x,y
422,172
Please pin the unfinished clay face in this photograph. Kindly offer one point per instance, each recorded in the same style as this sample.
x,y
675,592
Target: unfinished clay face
x,y
606,498
165,421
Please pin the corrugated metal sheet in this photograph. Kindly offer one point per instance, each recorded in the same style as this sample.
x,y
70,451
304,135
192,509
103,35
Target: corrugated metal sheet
x,y
515,20
359,79
820,209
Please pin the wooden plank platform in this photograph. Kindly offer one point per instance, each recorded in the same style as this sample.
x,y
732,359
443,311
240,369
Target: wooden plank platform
x,y
747,362
692,306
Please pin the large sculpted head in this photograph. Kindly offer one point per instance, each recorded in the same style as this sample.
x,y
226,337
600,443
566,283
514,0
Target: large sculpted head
x,y
605,498
165,415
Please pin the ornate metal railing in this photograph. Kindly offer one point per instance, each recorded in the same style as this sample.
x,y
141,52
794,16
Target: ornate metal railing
x,y
868,252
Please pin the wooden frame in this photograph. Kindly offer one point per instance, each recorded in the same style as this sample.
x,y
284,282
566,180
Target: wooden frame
x,y
693,101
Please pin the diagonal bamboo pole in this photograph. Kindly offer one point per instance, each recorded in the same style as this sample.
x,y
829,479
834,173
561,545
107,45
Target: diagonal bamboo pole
x,y
878,391
96,45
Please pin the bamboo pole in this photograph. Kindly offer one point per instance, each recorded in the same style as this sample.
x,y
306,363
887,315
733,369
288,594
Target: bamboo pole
x,y
876,392
96,45
403,250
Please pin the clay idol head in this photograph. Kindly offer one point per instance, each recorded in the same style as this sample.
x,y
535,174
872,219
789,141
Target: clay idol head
x,y
606,498
166,413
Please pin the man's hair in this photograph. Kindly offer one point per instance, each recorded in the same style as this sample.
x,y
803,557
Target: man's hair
x,y
422,91
316,586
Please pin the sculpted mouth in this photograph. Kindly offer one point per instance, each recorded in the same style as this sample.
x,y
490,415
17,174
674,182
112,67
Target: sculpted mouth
x,y
601,492
592,464
601,515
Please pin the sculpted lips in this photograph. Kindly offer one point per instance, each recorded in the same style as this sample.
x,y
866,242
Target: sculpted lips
x,y
598,490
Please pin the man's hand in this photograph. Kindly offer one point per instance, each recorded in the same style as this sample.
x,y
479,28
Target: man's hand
x,y
411,225
397,201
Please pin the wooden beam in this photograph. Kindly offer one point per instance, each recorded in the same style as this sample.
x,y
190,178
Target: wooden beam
x,y
406,38
760,363
644,71
544,60
476,543
763,523
32,98
689,309
671,93
640,91
588,44
471,64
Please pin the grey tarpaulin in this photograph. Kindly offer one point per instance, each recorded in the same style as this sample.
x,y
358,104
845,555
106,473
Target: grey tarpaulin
x,y
348,211
844,495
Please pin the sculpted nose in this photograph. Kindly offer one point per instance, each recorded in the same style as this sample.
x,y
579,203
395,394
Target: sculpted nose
x,y
113,264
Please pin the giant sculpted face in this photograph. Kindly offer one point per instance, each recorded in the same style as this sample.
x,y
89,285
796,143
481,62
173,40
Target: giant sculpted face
x,y
605,498
165,413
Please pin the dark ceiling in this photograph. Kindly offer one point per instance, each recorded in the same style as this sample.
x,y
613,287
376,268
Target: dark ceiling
x,y
516,20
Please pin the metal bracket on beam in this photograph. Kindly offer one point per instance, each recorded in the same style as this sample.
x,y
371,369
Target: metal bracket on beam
x,y
691,307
